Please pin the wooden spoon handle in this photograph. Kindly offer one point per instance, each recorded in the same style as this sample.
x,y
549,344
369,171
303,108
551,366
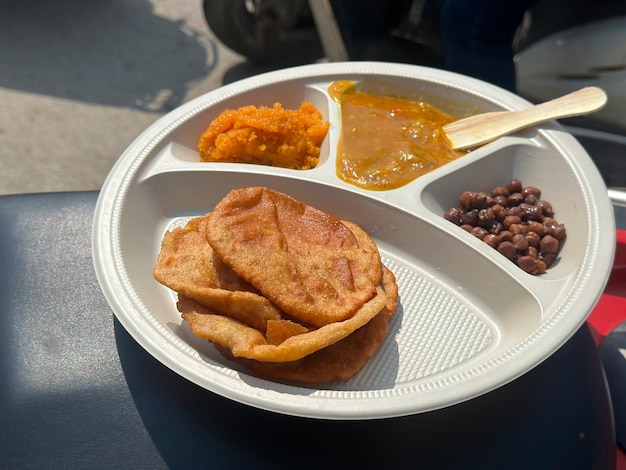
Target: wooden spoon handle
x,y
482,128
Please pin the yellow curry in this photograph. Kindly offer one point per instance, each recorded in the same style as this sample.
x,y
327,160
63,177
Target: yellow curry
x,y
387,142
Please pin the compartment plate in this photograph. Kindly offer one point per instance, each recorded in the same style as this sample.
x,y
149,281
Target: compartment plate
x,y
469,320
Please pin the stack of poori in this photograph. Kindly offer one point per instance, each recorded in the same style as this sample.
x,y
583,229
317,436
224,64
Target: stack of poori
x,y
287,290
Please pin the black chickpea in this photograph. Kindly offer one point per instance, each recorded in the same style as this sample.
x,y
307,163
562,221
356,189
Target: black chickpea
x,y
531,251
533,238
499,191
500,199
515,211
496,228
519,242
514,220
531,190
514,186
506,236
528,263
511,220
507,249
499,211
470,217
546,208
518,228
454,215
549,244
486,217
531,199
536,227
479,232
515,199
491,239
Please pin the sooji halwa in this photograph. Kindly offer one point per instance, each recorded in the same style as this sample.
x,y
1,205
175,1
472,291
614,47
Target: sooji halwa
x,y
289,291
287,138
387,142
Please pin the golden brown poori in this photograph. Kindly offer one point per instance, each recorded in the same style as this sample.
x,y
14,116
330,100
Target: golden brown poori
x,y
288,291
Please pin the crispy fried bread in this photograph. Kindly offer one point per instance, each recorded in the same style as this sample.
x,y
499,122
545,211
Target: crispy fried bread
x,y
306,262
188,265
244,341
339,361
280,287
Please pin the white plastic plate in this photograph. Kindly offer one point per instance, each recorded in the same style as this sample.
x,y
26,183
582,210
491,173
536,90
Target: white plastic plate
x,y
468,321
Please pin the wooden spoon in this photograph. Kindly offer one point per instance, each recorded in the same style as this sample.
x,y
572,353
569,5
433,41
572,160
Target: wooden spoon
x,y
483,128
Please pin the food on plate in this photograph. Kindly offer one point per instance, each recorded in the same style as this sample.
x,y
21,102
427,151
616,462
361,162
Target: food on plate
x,y
287,138
308,263
339,361
188,265
251,343
386,141
514,220
287,290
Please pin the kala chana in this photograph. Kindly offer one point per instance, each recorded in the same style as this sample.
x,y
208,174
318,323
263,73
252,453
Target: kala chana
x,y
514,220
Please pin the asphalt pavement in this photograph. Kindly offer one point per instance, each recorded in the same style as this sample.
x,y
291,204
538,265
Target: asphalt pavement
x,y
80,80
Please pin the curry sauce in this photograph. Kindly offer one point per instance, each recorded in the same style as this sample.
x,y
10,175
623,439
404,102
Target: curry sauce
x,y
386,142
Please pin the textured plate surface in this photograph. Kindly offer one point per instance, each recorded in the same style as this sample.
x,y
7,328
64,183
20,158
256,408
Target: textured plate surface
x,y
468,320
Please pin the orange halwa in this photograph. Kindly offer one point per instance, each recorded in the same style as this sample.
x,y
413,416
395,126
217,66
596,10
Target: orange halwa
x,y
287,138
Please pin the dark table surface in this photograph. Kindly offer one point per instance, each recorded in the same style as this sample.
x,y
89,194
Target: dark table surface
x,y
78,392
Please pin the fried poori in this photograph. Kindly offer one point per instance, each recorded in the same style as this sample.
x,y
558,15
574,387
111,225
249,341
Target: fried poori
x,y
188,265
339,361
287,290
308,263
244,341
